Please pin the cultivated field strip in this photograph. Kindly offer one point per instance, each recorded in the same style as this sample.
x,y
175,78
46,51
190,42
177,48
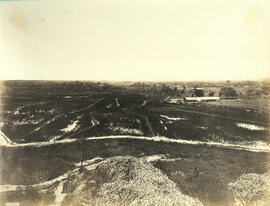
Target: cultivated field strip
x,y
57,116
86,108
220,116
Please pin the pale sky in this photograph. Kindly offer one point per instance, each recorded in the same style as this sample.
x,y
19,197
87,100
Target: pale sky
x,y
154,40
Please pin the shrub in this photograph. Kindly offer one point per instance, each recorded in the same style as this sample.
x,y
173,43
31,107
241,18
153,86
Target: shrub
x,y
228,92
211,94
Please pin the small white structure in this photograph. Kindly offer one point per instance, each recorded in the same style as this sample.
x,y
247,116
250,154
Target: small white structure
x,y
201,99
12,204
175,101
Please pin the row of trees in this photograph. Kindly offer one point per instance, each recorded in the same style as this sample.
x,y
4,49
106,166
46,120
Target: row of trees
x,y
225,91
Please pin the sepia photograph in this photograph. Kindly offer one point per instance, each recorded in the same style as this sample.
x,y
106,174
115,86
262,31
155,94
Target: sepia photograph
x,y
135,103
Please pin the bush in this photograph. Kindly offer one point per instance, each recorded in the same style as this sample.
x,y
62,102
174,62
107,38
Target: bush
x,y
228,92
211,94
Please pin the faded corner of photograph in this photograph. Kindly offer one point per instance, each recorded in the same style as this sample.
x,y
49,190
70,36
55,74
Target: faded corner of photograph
x,y
117,103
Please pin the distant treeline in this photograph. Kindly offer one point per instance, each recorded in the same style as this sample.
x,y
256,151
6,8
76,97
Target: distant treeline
x,y
226,89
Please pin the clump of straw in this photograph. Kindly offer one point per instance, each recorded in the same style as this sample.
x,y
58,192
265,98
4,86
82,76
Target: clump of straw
x,y
251,189
135,182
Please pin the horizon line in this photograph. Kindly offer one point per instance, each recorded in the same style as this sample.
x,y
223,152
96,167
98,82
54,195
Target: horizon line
x,y
104,80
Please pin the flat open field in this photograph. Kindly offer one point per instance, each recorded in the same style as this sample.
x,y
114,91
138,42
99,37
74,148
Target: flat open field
x,y
248,104
53,126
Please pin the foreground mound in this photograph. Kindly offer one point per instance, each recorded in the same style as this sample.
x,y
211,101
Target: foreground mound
x,y
129,181
251,189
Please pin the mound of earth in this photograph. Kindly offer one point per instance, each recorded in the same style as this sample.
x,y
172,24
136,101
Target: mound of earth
x,y
251,189
127,181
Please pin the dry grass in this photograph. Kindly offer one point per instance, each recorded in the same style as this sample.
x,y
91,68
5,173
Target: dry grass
x,y
133,181
251,189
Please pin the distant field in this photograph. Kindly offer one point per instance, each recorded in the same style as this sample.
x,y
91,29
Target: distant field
x,y
253,104
46,112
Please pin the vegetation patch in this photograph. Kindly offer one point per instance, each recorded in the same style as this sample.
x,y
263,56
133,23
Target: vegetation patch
x,y
251,189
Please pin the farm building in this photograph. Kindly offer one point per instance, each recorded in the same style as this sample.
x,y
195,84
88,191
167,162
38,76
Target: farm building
x,y
201,99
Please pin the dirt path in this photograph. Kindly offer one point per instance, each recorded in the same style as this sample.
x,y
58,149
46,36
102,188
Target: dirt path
x,y
250,146
4,140
88,164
